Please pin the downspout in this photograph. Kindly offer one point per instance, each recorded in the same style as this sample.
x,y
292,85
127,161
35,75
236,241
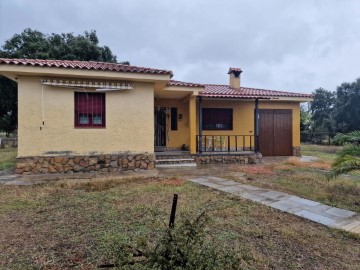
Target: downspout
x,y
200,124
256,125
42,107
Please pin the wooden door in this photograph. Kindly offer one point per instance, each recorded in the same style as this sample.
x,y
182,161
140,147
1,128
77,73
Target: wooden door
x,y
275,132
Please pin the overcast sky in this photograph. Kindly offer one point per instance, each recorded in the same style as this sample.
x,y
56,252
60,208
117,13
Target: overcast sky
x,y
280,44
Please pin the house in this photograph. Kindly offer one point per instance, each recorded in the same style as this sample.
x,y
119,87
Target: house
x,y
91,116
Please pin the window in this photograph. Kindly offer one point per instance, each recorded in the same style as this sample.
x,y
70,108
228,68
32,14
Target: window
x,y
174,125
89,109
217,119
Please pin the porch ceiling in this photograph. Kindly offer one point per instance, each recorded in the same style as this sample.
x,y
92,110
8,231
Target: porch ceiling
x,y
169,94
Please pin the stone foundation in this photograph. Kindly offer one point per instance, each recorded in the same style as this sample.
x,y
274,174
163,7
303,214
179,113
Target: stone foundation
x,y
296,151
76,164
228,159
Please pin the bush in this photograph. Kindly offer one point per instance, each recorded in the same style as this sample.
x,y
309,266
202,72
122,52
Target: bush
x,y
184,247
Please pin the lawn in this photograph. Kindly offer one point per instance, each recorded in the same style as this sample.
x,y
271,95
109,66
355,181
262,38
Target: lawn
x,y
7,158
64,224
307,180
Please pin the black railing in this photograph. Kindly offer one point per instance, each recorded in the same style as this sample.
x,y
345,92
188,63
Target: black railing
x,y
225,143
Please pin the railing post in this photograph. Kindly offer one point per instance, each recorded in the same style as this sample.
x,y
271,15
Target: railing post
x,y
200,125
228,143
256,126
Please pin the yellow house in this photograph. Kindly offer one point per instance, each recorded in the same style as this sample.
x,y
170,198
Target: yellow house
x,y
91,116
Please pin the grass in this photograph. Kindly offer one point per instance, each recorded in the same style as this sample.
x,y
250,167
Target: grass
x,y
307,180
65,225
7,158
325,152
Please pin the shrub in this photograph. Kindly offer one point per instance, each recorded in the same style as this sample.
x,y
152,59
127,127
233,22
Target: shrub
x,y
184,247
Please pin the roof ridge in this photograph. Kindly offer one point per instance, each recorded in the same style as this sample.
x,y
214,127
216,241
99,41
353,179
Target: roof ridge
x,y
85,64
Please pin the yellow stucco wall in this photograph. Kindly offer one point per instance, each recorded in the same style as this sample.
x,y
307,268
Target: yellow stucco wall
x,y
243,116
129,121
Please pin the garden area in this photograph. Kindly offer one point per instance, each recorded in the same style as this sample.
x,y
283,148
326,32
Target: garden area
x,y
84,223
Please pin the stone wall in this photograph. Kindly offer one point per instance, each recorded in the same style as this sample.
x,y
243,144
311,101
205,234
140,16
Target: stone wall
x,y
227,159
296,151
75,164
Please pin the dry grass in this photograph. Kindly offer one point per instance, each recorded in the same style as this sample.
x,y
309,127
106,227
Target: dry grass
x,y
62,225
7,158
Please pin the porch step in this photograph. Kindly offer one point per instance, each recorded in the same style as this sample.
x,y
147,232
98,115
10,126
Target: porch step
x,y
176,165
175,162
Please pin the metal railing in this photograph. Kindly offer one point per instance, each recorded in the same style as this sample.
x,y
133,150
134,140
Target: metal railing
x,y
225,143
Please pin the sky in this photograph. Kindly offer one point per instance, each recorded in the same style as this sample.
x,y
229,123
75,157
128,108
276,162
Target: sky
x,y
279,44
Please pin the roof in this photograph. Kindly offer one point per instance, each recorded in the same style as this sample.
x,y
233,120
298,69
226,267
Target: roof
x,y
184,84
89,65
213,90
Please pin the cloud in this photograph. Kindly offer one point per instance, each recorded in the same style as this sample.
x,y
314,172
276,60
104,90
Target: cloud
x,y
290,45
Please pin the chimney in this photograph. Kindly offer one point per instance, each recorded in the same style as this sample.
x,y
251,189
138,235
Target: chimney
x,y
235,77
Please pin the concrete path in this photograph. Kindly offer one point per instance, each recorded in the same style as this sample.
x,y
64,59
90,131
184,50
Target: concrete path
x,y
321,213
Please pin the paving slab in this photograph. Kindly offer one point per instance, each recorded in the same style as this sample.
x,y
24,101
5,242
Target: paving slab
x,y
356,230
315,217
284,205
210,184
228,183
231,189
274,194
311,210
217,179
340,212
199,180
252,197
248,187
303,201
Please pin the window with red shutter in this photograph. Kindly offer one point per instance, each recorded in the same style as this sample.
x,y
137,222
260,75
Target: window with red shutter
x,y
89,109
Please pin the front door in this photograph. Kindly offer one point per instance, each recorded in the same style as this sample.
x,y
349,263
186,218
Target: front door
x,y
160,126
275,132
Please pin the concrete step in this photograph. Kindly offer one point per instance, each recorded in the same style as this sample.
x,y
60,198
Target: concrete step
x,y
178,165
175,162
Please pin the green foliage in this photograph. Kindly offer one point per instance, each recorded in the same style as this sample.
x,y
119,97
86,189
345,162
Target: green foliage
x,y
36,45
321,109
66,46
8,105
351,137
349,157
305,119
346,107
183,247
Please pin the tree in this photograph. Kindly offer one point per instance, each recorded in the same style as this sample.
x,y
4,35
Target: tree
x,y
36,45
305,119
8,105
322,110
346,107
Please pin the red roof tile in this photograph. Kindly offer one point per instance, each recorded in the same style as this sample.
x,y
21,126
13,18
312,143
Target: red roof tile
x,y
89,65
213,90
184,84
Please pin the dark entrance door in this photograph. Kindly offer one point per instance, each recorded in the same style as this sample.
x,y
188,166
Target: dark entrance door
x,y
160,126
275,132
